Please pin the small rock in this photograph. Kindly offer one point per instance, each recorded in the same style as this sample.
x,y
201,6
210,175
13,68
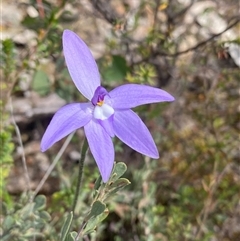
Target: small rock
x,y
74,155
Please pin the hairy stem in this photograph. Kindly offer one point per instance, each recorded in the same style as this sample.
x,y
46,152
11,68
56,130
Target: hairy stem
x,y
80,172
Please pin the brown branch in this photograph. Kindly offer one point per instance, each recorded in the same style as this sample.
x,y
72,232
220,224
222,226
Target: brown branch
x,y
40,9
175,18
205,41
106,10
162,53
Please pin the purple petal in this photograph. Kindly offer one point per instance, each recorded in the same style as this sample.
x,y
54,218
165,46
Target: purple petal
x,y
130,129
66,120
101,146
132,95
107,125
81,64
99,94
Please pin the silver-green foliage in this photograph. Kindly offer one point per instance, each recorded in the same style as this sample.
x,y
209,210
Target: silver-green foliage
x,y
25,221
98,209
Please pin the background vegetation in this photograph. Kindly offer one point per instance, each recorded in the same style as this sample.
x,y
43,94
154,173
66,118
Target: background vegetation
x,y
189,48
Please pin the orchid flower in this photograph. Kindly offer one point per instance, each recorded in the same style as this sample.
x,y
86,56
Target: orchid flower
x,y
106,114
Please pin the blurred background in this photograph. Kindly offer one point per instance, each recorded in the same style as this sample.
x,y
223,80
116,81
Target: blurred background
x,y
189,48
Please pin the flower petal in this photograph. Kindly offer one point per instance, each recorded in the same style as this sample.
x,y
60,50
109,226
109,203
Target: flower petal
x,y
101,146
103,112
108,125
66,120
130,129
131,95
81,64
99,94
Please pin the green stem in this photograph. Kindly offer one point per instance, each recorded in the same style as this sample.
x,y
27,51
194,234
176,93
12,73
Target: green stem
x,y
80,173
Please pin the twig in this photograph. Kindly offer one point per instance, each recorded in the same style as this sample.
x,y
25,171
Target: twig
x,y
21,146
205,41
162,53
206,209
80,230
106,10
40,8
174,18
54,163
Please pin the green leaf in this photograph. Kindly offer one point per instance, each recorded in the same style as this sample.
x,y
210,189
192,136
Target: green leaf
x,y
97,208
66,226
6,237
71,236
120,183
94,221
116,186
33,235
218,122
27,210
4,209
32,23
97,183
115,69
7,56
40,202
119,169
41,83
8,222
45,216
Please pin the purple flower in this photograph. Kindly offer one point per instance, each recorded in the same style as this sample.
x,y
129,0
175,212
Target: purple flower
x,y
106,114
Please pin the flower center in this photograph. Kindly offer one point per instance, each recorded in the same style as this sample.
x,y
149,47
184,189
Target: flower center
x,y
101,110
98,97
100,103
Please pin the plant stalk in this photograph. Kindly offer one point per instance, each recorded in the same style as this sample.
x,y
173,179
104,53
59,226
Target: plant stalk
x,y
80,173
